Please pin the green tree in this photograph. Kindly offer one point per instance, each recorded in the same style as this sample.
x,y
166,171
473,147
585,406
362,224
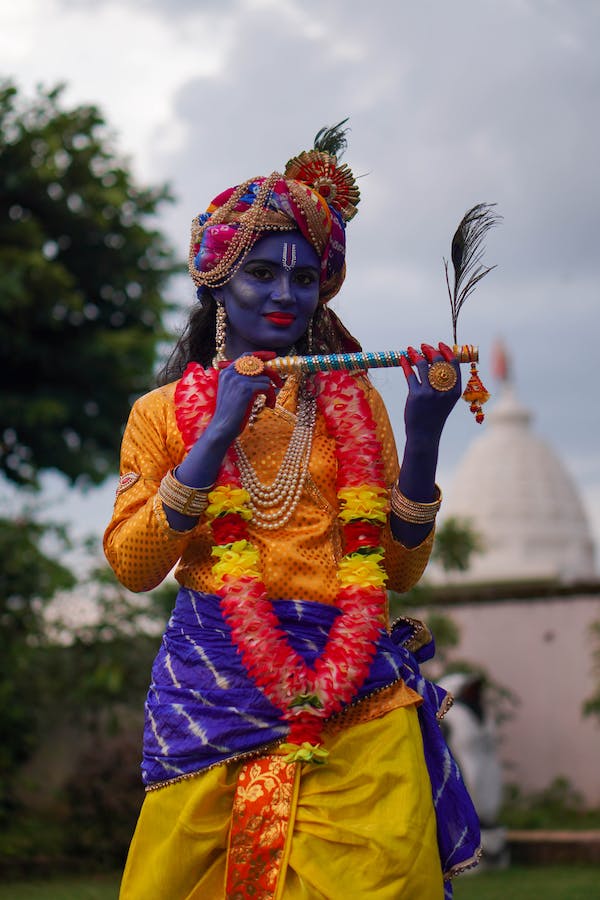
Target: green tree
x,y
61,673
82,267
28,578
105,660
455,544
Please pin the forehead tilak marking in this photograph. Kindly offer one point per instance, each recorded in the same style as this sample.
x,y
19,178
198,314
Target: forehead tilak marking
x,y
288,256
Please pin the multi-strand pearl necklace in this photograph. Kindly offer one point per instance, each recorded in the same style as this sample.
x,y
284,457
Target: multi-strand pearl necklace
x,y
285,490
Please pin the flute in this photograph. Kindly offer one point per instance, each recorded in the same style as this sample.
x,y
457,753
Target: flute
x,y
354,362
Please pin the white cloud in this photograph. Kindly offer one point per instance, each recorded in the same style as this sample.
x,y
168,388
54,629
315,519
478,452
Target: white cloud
x,y
128,61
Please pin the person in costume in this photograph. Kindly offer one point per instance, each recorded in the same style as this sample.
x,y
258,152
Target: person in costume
x,y
291,748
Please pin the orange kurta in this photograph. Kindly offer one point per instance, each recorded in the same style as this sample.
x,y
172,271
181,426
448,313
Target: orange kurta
x,y
298,560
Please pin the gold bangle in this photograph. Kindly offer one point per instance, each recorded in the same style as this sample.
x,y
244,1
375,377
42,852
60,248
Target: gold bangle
x,y
412,511
181,498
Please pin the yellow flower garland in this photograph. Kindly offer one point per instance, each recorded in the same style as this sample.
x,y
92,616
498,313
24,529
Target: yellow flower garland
x,y
241,558
364,502
227,498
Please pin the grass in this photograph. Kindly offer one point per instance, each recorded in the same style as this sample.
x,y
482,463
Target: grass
x,y
90,887
528,883
518,883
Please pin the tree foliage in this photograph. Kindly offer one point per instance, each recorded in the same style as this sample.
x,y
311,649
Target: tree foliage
x,y
60,669
455,543
81,272
28,578
105,658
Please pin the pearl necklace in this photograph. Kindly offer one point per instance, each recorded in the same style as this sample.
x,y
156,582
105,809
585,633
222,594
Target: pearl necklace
x,y
286,489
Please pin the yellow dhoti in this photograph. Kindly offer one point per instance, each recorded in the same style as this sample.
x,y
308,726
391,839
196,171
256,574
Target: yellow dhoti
x,y
361,826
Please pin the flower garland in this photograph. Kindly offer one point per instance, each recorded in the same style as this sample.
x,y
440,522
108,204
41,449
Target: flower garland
x,y
305,695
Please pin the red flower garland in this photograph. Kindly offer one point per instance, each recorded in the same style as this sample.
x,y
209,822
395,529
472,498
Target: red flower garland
x,y
305,695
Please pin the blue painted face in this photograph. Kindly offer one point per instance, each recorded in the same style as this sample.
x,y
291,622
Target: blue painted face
x,y
271,298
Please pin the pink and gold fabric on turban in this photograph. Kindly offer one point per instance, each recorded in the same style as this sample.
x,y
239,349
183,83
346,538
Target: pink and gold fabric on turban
x,y
239,216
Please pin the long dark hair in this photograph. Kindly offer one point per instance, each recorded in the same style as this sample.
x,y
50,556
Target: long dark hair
x,y
197,342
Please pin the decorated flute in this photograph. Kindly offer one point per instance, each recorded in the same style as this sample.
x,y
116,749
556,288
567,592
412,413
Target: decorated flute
x,y
441,375
355,362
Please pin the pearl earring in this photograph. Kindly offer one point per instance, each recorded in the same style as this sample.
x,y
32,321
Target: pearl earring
x,y
309,336
220,331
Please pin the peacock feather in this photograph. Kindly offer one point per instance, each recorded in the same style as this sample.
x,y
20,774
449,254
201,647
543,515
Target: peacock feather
x,y
467,253
332,139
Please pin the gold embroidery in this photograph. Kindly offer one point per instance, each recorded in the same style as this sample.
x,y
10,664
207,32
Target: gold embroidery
x,y
421,635
126,481
446,704
375,705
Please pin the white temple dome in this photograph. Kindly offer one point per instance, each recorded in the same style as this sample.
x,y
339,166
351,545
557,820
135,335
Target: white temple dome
x,y
522,502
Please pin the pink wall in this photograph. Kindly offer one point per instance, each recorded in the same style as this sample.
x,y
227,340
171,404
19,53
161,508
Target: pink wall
x,y
540,650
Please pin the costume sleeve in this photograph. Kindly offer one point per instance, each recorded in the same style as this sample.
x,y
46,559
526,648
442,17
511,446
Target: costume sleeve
x,y
139,544
404,565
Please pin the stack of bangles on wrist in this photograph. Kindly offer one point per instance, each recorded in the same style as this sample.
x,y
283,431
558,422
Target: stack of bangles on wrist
x,y
179,497
413,512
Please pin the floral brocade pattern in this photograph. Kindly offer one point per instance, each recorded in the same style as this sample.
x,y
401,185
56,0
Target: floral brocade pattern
x,y
262,811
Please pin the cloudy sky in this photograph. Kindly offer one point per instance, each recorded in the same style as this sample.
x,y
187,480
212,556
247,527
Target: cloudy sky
x,y
450,104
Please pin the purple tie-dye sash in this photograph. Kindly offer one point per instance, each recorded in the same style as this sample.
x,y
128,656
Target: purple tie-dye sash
x,y
202,709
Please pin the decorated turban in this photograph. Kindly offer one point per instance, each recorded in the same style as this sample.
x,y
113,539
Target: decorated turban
x,y
315,195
